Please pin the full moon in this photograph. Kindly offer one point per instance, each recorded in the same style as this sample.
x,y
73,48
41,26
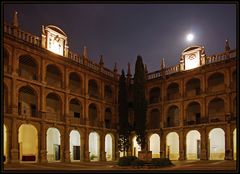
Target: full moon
x,y
190,37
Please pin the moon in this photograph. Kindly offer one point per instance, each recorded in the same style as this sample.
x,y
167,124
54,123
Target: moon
x,y
190,37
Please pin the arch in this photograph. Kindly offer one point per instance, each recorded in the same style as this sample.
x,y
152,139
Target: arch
x,y
109,147
216,110
155,145
27,101
173,116
193,145
53,76
216,144
135,147
75,108
93,114
154,119
216,81
107,92
6,59
193,113
172,146
173,91
93,88
74,145
5,137
94,146
235,144
75,83
191,48
108,118
28,67
193,87
53,144
53,106
57,29
5,100
28,143
154,95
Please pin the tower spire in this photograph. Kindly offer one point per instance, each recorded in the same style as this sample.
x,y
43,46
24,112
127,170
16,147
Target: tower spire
x,y
101,60
129,70
85,55
15,19
163,64
115,68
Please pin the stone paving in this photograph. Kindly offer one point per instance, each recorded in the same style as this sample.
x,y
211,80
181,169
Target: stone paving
x,y
201,165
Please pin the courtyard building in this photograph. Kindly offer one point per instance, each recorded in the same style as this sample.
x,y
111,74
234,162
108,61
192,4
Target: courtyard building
x,y
61,106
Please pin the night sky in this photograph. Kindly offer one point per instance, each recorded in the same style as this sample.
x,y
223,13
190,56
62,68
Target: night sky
x,y
120,32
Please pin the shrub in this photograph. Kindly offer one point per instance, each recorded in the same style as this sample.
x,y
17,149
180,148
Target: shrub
x,y
161,162
126,160
137,162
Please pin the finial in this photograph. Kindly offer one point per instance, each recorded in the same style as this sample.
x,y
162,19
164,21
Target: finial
x,y
15,19
227,47
129,70
163,64
85,55
101,60
115,68
145,68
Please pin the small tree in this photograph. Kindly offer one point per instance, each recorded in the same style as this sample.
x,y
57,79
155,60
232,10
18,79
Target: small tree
x,y
140,103
123,142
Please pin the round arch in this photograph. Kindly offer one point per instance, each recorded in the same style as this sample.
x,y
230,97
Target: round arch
x,y
135,147
5,139
172,146
193,145
235,144
154,141
94,146
28,143
75,143
109,147
53,144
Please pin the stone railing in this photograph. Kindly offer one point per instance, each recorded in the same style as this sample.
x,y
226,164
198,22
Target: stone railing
x,y
221,57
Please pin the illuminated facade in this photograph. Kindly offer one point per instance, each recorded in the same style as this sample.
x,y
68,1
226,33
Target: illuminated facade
x,y
60,106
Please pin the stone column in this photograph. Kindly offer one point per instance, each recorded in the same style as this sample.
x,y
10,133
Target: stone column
x,y
163,143
14,106
15,144
182,145
228,143
14,63
82,148
86,150
204,144
66,145
102,147
42,143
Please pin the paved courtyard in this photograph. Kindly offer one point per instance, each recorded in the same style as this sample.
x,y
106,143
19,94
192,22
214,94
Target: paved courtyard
x,y
93,167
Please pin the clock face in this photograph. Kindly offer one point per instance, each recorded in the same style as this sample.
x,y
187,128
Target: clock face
x,y
191,57
192,61
55,44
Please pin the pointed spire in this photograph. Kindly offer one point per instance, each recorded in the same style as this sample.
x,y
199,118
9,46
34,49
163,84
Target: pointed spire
x,y
85,55
227,47
163,64
15,19
145,68
101,63
129,70
115,68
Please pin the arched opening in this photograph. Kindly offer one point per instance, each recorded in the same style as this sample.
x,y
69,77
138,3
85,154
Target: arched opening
x,y
135,148
75,83
27,67
155,145
216,110
53,76
93,88
216,82
53,144
74,145
108,118
154,95
107,92
235,144
154,119
27,102
5,137
75,109
94,146
173,116
193,87
193,113
172,146
193,145
173,91
28,143
5,107
6,60
92,114
109,147
53,106
216,144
